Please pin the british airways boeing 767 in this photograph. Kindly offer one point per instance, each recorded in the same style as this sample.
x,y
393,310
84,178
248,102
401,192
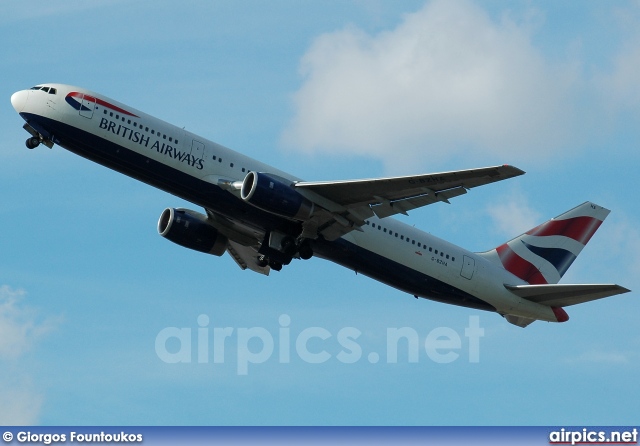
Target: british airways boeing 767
x,y
264,217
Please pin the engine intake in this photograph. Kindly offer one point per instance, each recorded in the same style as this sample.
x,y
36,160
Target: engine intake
x,y
275,195
192,230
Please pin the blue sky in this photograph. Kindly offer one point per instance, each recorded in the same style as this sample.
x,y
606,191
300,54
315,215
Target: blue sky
x,y
324,90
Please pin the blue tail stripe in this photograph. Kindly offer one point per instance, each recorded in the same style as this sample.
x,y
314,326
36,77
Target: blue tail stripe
x,y
560,258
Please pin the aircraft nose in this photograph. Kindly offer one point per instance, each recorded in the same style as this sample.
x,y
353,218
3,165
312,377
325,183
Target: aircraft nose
x,y
19,100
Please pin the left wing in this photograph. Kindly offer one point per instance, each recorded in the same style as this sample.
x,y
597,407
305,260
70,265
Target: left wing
x,y
351,202
243,243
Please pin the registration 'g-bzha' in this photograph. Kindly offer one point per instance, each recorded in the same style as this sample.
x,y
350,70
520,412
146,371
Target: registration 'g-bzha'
x,y
264,218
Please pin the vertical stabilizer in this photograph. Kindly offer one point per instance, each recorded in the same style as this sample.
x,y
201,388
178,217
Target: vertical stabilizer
x,y
543,254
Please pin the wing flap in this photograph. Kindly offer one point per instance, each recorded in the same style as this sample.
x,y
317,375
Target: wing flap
x,y
566,294
245,257
387,208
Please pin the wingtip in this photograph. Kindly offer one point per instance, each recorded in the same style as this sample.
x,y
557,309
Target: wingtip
x,y
514,170
623,289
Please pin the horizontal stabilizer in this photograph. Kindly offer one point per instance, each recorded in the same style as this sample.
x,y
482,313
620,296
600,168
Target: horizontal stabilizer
x,y
565,295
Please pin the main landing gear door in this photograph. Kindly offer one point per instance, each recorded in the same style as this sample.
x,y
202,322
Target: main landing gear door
x,y
468,267
87,106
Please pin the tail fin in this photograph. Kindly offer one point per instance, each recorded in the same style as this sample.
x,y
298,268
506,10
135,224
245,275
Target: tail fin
x,y
543,254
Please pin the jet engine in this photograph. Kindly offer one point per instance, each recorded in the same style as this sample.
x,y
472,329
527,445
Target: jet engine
x,y
192,230
275,195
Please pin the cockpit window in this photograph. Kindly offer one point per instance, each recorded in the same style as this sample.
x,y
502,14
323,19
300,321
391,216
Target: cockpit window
x,y
49,90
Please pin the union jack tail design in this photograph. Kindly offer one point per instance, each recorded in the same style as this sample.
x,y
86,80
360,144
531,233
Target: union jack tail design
x,y
543,254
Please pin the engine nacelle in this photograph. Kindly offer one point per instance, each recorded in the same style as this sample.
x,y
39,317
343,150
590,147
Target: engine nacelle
x,y
275,195
192,230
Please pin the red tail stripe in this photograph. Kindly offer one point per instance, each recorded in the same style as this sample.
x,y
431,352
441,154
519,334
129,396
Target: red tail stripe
x,y
519,267
580,229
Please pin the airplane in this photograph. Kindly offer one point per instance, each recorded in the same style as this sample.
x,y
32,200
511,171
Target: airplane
x,y
264,218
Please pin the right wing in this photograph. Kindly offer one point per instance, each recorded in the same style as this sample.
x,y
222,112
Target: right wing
x,y
349,203
343,206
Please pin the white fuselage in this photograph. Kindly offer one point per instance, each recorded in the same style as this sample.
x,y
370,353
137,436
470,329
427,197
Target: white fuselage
x,y
182,154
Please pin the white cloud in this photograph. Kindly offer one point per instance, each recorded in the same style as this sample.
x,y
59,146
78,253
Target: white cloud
x,y
21,403
19,328
512,215
447,81
620,89
620,86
